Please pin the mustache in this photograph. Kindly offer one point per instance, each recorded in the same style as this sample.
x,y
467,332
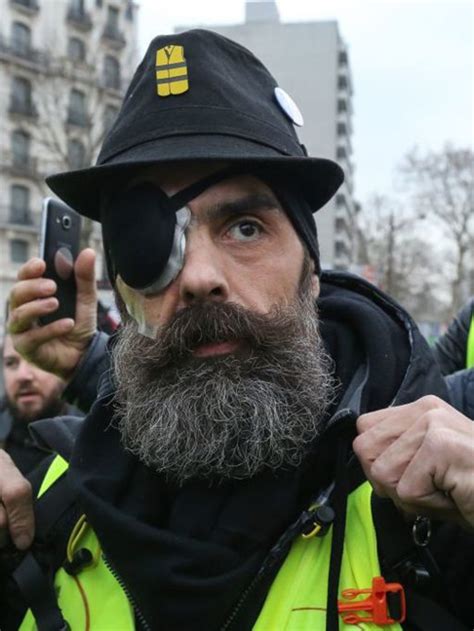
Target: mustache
x,y
208,323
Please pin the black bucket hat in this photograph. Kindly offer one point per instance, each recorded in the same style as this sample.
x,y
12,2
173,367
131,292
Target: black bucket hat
x,y
198,96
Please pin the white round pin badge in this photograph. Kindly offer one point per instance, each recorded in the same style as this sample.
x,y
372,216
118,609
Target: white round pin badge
x,y
290,108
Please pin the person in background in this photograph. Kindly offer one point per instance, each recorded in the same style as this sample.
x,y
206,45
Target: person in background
x,y
30,394
454,352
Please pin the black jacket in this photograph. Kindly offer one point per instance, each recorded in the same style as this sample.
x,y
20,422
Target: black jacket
x,y
461,391
192,552
18,442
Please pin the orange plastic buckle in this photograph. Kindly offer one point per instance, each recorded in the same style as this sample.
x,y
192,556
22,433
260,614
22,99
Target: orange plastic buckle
x,y
376,603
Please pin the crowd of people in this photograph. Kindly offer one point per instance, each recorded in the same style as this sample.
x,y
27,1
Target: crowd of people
x,y
262,440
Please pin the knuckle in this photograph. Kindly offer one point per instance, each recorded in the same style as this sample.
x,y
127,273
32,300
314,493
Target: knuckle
x,y
5,459
17,491
359,446
362,423
378,472
405,493
431,402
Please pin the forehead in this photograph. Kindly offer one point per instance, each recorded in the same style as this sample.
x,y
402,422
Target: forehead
x,y
173,179
8,349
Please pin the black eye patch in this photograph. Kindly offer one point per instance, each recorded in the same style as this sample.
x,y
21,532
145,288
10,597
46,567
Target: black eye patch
x,y
138,228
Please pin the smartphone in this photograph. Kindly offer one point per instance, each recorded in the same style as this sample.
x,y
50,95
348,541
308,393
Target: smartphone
x,y
59,246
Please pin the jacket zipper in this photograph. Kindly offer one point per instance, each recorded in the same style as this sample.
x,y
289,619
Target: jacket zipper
x,y
141,618
278,552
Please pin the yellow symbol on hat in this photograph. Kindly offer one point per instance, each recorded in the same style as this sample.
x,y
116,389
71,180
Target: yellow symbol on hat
x,y
171,71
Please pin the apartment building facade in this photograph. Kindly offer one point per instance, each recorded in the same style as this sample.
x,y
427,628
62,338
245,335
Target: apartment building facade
x,y
64,65
310,60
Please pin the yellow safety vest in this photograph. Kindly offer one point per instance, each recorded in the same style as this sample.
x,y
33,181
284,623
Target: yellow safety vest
x,y
296,601
470,346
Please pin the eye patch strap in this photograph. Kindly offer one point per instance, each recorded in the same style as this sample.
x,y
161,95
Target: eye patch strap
x,y
183,197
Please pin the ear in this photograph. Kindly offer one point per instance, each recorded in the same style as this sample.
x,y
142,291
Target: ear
x,y
315,286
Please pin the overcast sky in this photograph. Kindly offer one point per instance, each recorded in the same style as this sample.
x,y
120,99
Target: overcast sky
x,y
412,66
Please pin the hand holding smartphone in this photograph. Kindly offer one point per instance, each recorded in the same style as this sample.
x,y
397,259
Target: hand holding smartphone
x,y
59,247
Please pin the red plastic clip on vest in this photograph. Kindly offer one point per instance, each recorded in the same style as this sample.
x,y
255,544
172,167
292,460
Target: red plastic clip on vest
x,y
375,603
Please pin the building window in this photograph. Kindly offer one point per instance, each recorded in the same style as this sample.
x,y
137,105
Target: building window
x,y
341,249
98,4
341,105
76,154
110,114
20,141
20,205
111,73
21,39
342,82
341,224
340,200
77,6
29,4
112,24
77,113
21,99
18,251
76,49
341,129
343,59
129,11
341,153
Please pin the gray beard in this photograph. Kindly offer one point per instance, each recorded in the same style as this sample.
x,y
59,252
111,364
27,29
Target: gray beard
x,y
225,417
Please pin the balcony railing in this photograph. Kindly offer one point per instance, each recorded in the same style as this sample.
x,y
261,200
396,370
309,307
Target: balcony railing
x,y
112,83
114,36
30,6
79,18
77,117
19,52
20,167
19,218
22,108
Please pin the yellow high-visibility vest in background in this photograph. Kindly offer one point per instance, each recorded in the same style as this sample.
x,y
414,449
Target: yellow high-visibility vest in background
x,y
470,346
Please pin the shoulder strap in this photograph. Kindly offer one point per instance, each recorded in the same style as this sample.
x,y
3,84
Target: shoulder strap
x,y
38,591
34,576
404,562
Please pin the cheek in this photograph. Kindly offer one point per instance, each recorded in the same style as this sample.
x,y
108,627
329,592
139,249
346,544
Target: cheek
x,y
273,279
10,382
156,310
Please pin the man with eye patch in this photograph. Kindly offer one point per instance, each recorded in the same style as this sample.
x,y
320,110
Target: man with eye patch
x,y
265,443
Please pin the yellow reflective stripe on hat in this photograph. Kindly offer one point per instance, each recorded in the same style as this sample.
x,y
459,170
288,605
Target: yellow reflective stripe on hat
x,y
171,71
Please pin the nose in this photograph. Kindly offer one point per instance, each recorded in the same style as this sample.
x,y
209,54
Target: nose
x,y
25,372
203,276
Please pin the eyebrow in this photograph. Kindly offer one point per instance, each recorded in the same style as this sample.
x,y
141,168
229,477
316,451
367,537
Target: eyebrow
x,y
249,203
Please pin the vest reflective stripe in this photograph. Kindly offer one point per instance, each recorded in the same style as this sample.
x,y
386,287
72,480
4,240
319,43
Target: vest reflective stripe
x,y
93,599
470,346
55,471
171,71
297,598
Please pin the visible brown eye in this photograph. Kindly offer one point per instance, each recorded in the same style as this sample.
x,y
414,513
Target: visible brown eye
x,y
245,230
